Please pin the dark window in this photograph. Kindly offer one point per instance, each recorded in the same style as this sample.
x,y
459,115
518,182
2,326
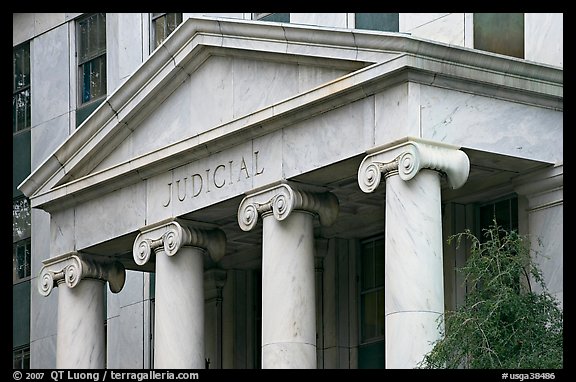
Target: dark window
x,y
21,358
163,24
505,211
21,260
21,110
385,22
91,35
20,239
371,350
276,17
501,33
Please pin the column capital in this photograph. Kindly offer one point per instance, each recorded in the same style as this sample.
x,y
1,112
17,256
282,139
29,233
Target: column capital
x,y
408,157
72,267
171,235
281,200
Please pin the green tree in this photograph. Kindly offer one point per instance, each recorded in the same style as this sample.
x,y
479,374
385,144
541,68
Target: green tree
x,y
503,323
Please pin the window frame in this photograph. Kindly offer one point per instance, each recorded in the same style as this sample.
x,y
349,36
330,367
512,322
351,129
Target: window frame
x,y
16,91
92,57
21,354
153,19
25,243
362,292
487,43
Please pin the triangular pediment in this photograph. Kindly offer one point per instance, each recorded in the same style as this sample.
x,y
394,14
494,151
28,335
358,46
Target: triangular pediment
x,y
215,82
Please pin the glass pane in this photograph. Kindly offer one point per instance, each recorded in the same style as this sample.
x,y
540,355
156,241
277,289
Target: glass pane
x,y
21,67
369,316
368,266
83,40
277,17
380,314
386,22
159,31
21,111
20,219
502,212
379,263
92,36
101,33
21,260
174,19
98,77
501,33
85,90
94,79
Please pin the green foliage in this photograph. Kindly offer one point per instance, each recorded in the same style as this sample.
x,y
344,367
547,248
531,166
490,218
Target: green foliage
x,y
502,324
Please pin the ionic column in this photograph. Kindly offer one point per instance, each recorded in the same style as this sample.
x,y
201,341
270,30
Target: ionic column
x,y
80,341
413,282
179,308
288,286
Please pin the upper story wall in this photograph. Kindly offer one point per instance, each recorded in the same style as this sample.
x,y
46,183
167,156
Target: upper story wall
x,y
53,65
543,31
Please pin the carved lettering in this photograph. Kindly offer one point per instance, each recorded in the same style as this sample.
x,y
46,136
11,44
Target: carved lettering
x,y
243,167
194,183
219,185
257,172
178,189
220,176
169,195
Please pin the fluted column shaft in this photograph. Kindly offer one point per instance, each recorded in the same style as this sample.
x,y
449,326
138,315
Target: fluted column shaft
x,y
288,285
179,308
80,341
413,274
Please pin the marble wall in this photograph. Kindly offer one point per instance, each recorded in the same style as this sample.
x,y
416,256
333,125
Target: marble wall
x,y
544,38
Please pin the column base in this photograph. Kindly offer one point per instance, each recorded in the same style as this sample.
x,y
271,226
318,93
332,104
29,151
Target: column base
x,y
288,355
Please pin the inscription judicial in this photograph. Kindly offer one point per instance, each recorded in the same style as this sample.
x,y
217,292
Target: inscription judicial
x,y
212,179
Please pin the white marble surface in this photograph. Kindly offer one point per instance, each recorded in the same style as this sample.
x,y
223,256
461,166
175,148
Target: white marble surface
x,y
49,55
414,288
179,313
342,133
491,124
445,28
211,93
126,338
40,240
62,233
110,215
81,342
408,338
338,20
409,21
544,38
46,137
43,352
132,293
43,316
397,113
546,226
124,52
289,322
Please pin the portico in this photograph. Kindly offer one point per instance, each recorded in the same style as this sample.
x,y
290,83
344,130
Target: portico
x,y
243,208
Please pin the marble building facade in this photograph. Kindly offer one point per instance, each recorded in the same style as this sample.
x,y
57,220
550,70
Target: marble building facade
x,y
257,194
